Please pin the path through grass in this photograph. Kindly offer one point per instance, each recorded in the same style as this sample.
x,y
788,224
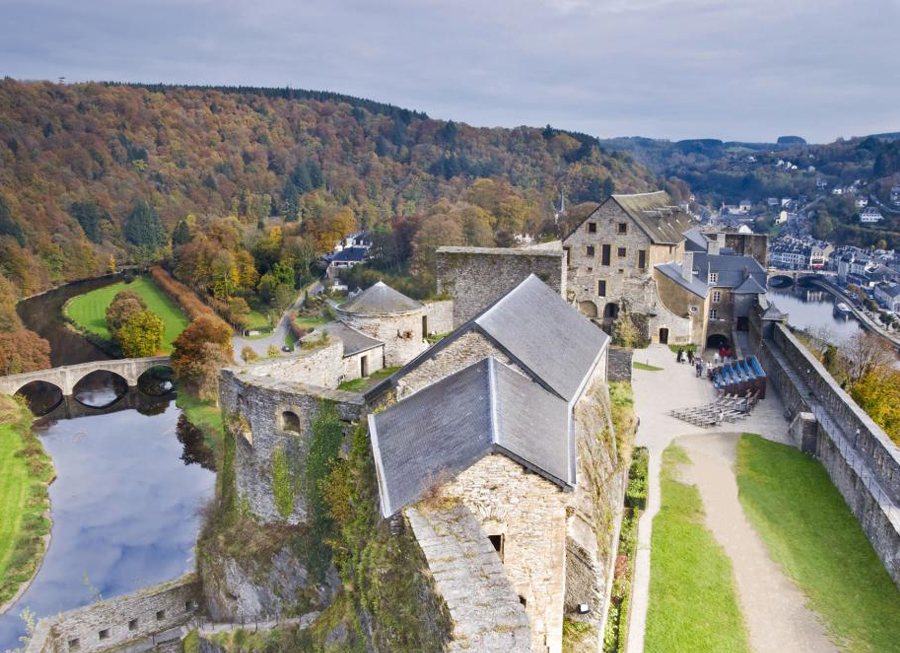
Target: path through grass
x,y
88,311
25,471
693,604
809,531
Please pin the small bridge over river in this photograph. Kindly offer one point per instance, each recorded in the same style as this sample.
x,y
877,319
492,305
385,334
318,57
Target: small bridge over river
x,y
65,378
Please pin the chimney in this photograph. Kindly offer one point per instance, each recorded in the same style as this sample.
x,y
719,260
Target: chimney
x,y
687,266
714,245
746,272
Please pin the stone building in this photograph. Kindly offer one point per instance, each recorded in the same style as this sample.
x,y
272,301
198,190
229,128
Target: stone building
x,y
640,254
508,416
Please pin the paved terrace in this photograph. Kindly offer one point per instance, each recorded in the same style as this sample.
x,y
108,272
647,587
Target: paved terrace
x,y
655,394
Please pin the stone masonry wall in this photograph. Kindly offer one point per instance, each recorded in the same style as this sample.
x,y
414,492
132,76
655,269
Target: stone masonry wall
x,y
469,576
401,333
321,366
862,462
119,621
440,316
530,513
466,350
351,368
261,403
475,277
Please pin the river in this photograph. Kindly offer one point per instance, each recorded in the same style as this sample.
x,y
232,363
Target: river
x,y
813,309
131,480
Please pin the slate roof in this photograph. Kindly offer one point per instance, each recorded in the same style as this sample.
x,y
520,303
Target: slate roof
x,y
673,272
694,241
656,215
380,299
750,286
772,313
356,254
354,341
891,290
730,269
536,328
438,432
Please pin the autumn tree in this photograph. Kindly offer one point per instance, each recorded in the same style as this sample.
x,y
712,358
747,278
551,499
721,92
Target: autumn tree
x,y
125,304
625,333
200,352
23,351
141,334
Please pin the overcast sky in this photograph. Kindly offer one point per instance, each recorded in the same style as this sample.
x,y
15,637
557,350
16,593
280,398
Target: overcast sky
x,y
732,69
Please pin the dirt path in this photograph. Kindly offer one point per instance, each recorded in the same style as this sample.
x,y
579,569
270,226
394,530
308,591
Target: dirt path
x,y
773,606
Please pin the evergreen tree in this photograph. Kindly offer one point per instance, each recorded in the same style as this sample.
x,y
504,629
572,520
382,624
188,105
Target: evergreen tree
x,y
182,234
143,227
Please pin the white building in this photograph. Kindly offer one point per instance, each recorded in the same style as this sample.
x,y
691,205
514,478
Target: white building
x,y
870,214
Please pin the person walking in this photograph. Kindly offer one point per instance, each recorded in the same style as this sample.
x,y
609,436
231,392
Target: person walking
x,y
716,359
679,355
690,354
699,367
709,369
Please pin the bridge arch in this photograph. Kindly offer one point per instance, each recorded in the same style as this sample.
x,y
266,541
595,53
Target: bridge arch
x,y
100,388
42,397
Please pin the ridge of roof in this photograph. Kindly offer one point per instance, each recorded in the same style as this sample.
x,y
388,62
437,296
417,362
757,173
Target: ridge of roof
x,y
380,299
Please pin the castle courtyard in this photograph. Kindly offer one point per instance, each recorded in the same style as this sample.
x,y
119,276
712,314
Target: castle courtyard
x,y
772,604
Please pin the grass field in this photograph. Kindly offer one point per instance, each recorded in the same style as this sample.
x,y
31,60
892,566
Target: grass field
x,y
644,366
693,605
25,471
358,385
809,531
88,311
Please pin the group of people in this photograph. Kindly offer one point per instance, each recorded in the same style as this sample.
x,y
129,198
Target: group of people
x,y
697,362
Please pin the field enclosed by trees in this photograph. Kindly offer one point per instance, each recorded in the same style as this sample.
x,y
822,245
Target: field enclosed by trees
x,y
88,311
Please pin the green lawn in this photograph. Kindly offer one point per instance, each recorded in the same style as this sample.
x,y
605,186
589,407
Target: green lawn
x,y
257,321
88,311
644,366
361,384
693,605
809,531
25,471
685,348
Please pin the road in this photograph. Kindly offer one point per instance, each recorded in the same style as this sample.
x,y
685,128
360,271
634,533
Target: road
x,y
279,333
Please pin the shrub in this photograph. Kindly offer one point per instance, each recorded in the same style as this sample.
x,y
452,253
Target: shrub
x,y
248,354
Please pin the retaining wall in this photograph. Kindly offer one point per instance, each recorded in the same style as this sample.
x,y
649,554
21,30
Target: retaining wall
x,y
619,365
114,623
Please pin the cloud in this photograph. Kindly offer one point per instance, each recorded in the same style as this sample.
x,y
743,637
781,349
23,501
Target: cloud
x,y
744,69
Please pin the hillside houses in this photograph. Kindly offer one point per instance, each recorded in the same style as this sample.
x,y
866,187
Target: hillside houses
x,y
799,253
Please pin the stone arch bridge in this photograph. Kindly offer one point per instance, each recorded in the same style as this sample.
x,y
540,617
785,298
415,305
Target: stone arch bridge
x,y
65,378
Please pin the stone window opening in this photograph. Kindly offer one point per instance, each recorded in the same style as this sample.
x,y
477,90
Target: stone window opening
x,y
290,421
589,250
713,314
133,625
601,287
104,634
717,296
188,605
498,542
621,228
622,252
523,601
160,615
592,227
74,644
713,277
642,258
606,254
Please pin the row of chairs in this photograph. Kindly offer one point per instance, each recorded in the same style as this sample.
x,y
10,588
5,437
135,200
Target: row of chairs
x,y
726,408
741,377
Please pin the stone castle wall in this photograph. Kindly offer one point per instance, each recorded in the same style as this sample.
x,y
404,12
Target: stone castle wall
x,y
469,575
440,316
351,367
116,622
475,277
530,514
401,333
861,460
619,367
264,430
320,366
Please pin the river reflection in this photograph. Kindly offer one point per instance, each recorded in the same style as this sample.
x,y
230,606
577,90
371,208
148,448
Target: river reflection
x,y
813,309
125,508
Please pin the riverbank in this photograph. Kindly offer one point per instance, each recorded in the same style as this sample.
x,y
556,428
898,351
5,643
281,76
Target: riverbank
x,y
861,317
25,474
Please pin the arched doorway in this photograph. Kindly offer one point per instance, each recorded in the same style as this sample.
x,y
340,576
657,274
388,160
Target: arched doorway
x,y
663,336
717,341
588,309
611,311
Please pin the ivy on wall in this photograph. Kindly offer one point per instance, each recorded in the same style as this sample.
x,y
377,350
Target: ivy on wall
x,y
282,483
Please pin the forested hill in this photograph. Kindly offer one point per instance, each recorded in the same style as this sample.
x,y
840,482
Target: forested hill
x,y
90,171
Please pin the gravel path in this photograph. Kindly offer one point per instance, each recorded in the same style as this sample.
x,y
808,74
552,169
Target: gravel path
x,y
773,606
